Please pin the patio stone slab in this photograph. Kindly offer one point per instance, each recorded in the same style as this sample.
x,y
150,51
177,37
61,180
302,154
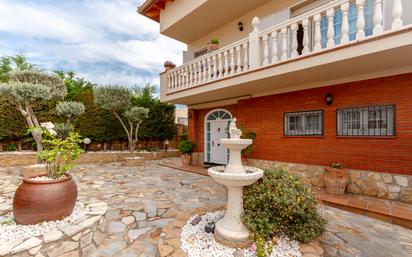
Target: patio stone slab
x,y
169,194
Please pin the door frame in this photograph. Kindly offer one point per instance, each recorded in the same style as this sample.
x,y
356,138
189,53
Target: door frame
x,y
206,143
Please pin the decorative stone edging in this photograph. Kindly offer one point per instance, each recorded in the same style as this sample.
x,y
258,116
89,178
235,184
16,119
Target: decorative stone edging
x,y
376,184
169,243
77,239
17,159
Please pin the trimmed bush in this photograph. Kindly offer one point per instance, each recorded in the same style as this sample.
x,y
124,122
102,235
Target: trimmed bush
x,y
280,202
186,146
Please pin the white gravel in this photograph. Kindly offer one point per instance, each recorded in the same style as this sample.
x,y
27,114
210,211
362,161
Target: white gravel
x,y
10,230
42,178
196,242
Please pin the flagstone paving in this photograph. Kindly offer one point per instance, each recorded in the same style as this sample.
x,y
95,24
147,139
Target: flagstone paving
x,y
142,200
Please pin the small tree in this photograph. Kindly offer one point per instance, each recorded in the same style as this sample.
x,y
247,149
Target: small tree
x,y
27,89
135,116
117,99
69,110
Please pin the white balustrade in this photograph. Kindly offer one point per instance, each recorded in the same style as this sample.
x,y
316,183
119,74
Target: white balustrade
x,y
345,22
274,35
265,49
281,43
294,29
360,21
331,33
397,11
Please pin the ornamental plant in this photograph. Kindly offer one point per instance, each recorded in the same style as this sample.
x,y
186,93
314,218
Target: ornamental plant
x,y
186,146
69,110
27,89
280,202
336,165
59,155
117,99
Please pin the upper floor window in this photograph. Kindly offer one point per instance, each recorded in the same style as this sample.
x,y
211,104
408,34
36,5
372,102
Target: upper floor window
x,y
306,123
366,121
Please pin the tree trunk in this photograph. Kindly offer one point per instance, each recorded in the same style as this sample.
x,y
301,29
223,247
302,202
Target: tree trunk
x,y
129,137
31,120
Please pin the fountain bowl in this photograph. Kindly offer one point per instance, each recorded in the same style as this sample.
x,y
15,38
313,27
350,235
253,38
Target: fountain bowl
x,y
235,179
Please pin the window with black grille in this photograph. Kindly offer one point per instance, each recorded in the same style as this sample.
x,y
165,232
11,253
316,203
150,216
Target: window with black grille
x,y
305,123
376,120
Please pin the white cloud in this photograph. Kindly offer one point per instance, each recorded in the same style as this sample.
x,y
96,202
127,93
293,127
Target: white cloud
x,y
95,38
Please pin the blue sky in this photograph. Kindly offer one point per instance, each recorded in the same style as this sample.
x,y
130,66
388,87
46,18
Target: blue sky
x,y
104,41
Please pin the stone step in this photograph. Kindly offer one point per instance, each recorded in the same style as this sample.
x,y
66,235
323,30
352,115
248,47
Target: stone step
x,y
392,211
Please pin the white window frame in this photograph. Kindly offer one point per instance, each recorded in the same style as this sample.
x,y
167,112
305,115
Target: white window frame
x,y
304,131
362,121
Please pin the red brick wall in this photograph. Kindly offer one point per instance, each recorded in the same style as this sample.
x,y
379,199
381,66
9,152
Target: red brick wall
x,y
264,115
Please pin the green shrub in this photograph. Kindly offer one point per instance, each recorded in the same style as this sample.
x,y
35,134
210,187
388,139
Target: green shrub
x,y
11,147
186,146
280,202
336,165
59,155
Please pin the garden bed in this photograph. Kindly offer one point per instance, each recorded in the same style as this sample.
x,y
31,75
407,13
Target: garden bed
x,y
188,245
79,234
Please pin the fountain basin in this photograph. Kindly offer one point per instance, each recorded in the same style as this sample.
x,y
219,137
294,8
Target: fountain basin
x,y
235,179
230,230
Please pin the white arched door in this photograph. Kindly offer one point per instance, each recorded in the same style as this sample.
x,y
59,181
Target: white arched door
x,y
216,125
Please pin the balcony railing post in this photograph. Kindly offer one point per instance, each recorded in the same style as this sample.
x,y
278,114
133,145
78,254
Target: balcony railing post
x,y
330,33
377,18
360,21
254,46
294,29
397,11
345,22
317,45
305,24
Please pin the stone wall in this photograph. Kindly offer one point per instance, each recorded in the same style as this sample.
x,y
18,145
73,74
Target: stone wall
x,y
16,159
369,183
73,240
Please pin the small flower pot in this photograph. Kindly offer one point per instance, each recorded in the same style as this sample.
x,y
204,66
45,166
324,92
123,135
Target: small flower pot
x,y
212,47
335,180
186,159
38,201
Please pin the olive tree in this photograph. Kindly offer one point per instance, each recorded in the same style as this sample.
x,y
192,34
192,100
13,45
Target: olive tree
x,y
68,110
135,116
118,100
27,89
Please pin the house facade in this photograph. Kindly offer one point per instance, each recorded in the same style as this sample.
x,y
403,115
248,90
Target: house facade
x,y
315,81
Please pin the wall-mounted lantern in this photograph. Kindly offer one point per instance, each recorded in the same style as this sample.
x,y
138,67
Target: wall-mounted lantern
x,y
240,26
328,99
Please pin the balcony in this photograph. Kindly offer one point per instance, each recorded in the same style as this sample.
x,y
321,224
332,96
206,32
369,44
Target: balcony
x,y
338,42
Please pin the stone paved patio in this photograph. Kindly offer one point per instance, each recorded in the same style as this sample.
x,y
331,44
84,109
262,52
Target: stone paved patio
x,y
142,200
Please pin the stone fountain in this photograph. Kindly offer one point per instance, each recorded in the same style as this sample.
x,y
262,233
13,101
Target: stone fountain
x,y
230,230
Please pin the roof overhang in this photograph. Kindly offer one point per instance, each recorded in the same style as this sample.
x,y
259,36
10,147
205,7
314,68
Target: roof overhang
x,y
152,8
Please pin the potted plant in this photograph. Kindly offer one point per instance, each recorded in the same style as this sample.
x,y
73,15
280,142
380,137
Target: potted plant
x,y
336,178
53,195
213,45
186,147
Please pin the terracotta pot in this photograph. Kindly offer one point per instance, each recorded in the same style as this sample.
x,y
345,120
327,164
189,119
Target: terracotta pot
x,y
336,180
212,47
38,201
186,159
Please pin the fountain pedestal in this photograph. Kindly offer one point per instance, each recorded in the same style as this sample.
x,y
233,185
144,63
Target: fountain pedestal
x,y
230,230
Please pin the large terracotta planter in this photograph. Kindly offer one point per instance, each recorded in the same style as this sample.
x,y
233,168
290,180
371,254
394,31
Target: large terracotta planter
x,y
186,159
38,201
336,180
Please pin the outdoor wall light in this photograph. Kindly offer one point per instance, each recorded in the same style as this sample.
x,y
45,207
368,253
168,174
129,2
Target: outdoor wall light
x,y
240,26
189,114
328,99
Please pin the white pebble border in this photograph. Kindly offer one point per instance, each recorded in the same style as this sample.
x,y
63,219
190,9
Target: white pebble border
x,y
196,242
10,230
